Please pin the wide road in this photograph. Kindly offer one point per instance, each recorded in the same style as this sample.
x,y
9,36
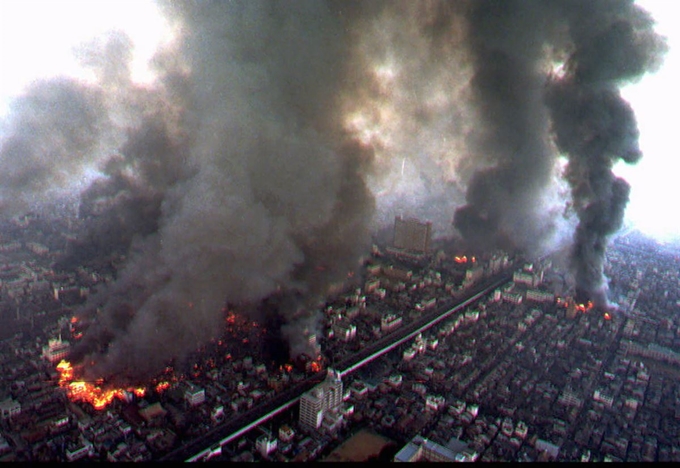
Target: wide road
x,y
200,447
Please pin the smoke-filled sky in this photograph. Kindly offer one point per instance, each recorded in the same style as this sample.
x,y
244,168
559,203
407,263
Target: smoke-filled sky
x,y
237,150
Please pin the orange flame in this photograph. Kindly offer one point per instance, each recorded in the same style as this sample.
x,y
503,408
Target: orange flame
x,y
584,307
316,365
162,386
89,392
462,259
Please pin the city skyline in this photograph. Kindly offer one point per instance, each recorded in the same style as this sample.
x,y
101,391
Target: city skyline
x,y
208,208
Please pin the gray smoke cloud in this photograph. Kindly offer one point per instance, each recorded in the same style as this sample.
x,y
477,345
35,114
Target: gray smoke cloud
x,y
270,196
613,43
54,130
526,108
504,200
278,136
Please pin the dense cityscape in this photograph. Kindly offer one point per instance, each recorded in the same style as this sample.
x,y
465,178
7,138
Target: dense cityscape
x,y
521,373
338,230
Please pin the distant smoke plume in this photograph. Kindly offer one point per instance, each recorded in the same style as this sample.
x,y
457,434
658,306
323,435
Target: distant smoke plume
x,y
602,45
613,43
279,135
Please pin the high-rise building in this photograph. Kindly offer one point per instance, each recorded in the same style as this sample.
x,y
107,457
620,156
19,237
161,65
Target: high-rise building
x,y
319,400
311,408
333,387
411,234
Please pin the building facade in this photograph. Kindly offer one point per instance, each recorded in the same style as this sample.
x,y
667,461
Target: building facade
x,y
321,399
411,234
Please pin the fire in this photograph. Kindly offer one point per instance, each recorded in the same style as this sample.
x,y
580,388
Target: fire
x,y
316,365
162,386
462,259
607,316
584,307
92,393
74,319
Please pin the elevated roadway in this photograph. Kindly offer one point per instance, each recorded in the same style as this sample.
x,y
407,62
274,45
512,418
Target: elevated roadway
x,y
210,443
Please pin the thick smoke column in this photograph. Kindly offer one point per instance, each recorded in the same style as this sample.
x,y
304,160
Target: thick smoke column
x,y
613,44
603,45
270,196
505,206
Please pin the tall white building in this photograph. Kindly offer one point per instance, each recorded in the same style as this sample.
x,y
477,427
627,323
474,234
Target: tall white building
x,y
311,408
318,401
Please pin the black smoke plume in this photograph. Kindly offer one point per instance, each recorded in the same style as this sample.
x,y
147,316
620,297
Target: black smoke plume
x,y
255,189
523,105
613,43
277,133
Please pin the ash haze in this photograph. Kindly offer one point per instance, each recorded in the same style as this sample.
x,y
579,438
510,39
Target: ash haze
x,y
265,142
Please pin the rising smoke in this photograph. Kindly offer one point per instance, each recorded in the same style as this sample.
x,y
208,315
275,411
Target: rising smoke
x,y
601,46
279,135
613,43
267,195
